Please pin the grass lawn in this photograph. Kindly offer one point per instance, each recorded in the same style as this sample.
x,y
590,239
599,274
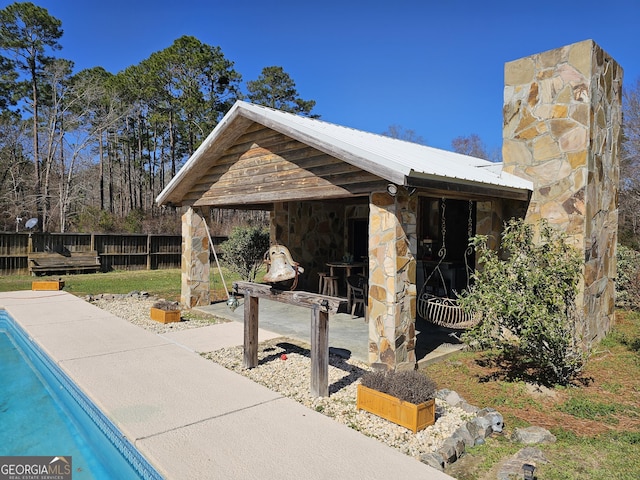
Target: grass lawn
x,y
596,421
162,283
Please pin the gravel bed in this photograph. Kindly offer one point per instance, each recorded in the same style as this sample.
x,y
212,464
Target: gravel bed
x,y
291,377
135,307
284,366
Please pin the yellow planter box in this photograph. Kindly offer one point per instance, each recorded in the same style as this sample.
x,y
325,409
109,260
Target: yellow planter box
x,y
47,285
165,316
411,416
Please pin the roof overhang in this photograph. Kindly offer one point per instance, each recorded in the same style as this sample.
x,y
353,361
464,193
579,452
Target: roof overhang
x,y
395,161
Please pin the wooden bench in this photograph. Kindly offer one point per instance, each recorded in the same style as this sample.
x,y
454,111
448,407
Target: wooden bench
x,y
52,262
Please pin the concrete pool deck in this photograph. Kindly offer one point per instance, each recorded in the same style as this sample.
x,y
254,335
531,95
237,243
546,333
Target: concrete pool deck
x,y
190,417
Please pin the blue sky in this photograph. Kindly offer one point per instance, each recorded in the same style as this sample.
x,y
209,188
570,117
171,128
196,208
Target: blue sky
x,y
432,67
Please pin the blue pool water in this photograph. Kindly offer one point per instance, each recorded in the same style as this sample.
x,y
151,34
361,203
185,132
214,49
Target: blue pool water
x,y
43,413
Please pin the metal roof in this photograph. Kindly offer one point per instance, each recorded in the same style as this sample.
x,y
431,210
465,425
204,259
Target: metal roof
x,y
394,160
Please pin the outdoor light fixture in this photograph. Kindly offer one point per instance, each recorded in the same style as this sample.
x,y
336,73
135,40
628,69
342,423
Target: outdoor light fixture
x,y
392,189
528,470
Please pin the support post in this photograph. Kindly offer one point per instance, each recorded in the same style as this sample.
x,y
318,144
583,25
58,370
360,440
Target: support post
x,y
195,261
319,352
250,358
321,306
148,251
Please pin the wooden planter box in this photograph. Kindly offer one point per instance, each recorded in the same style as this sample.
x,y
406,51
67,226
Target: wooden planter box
x,y
411,416
47,285
165,316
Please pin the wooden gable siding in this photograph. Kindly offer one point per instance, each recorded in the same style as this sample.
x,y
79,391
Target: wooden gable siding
x,y
264,166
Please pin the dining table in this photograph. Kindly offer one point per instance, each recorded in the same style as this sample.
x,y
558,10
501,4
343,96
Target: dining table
x,y
345,270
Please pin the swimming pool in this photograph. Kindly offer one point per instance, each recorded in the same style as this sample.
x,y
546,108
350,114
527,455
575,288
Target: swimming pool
x,y
42,413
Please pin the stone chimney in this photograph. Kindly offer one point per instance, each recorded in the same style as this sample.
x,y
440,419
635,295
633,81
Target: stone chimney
x,y
562,130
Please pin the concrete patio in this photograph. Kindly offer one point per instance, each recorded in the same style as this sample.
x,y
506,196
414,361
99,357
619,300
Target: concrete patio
x,y
347,336
190,417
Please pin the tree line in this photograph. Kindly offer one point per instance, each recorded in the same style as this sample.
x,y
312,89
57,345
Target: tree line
x,y
92,149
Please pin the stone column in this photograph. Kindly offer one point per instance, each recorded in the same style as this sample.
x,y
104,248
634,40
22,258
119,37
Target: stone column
x,y
195,261
562,127
392,280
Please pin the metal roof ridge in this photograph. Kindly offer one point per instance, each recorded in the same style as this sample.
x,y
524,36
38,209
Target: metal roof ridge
x,y
391,158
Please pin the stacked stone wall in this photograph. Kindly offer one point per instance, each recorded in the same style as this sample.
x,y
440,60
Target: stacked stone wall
x,y
314,232
562,126
392,280
195,261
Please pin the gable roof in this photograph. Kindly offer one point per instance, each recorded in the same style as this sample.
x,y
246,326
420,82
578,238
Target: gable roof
x,y
396,161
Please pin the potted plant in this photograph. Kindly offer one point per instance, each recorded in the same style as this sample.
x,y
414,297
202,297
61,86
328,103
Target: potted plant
x,y
164,311
403,397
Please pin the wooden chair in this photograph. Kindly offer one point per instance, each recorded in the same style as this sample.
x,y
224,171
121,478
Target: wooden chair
x,y
358,292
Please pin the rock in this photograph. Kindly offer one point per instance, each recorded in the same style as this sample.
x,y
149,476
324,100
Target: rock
x,y
448,451
459,444
480,427
468,408
434,460
513,466
532,435
485,411
531,455
475,432
496,420
464,434
449,396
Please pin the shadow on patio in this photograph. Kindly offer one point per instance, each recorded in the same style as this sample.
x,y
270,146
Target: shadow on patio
x,y
347,335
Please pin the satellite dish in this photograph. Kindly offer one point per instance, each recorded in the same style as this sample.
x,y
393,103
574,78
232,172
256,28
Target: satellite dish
x,y
32,222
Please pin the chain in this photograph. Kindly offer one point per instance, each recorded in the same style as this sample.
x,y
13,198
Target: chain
x,y
470,221
469,251
443,248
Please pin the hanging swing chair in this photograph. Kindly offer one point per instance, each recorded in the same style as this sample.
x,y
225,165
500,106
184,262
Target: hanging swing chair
x,y
444,310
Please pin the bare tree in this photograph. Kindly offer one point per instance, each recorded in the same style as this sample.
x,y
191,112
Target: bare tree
x,y
629,194
471,145
408,135
27,32
17,200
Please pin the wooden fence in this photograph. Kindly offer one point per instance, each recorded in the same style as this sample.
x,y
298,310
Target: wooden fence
x,y
116,251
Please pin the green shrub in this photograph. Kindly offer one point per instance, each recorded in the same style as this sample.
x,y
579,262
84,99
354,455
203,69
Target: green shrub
x,y
244,250
628,278
93,219
526,301
132,223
